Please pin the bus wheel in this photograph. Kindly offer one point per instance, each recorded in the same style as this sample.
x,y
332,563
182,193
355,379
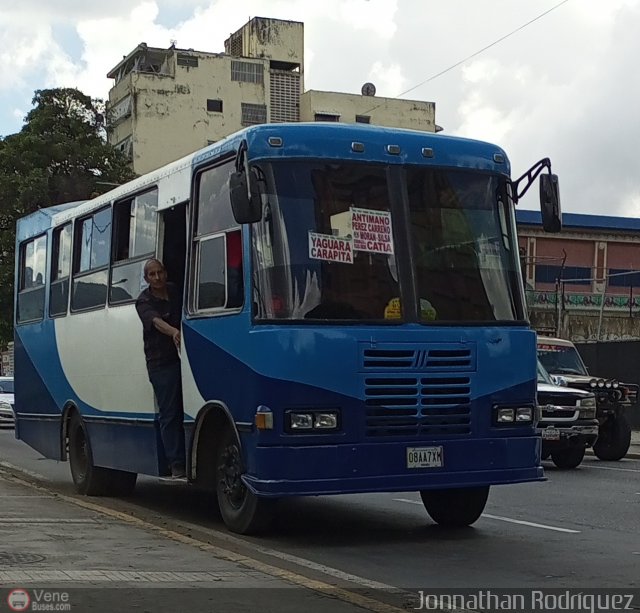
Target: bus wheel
x,y
242,511
455,508
614,439
568,458
89,479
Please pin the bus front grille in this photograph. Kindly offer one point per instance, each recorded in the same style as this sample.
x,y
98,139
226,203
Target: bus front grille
x,y
455,357
425,407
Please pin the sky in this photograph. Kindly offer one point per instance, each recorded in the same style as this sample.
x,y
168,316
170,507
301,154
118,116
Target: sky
x,y
540,78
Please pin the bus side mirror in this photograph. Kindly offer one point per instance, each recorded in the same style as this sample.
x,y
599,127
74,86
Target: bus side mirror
x,y
550,203
246,202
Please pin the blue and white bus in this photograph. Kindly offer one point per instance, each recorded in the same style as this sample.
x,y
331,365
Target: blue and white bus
x,y
354,321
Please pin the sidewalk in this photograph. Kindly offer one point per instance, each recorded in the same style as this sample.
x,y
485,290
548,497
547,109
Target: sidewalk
x,y
100,559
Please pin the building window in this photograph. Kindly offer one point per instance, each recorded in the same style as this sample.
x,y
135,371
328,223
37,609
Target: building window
x,y
621,277
125,146
363,119
187,60
247,72
214,106
253,114
327,117
573,275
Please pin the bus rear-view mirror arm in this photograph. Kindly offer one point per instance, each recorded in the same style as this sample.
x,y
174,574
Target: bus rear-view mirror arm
x,y
549,194
244,190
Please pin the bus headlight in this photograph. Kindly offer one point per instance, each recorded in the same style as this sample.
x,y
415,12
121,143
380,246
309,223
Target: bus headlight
x,y
312,421
504,416
511,415
524,415
301,421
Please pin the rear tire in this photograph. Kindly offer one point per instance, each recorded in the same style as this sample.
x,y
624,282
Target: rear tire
x,y
91,480
242,511
614,439
567,459
455,508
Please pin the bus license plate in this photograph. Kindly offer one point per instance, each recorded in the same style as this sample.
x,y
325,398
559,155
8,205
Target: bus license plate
x,y
551,434
424,457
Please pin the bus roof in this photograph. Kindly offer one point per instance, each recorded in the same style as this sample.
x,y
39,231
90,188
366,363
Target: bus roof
x,y
292,141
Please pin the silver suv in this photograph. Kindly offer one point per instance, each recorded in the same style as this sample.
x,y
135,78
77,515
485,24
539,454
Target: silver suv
x,y
7,416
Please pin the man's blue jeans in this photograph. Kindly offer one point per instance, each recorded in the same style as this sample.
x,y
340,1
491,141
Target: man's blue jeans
x,y
167,386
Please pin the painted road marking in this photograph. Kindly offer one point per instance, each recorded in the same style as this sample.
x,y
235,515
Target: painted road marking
x,y
529,523
622,470
507,519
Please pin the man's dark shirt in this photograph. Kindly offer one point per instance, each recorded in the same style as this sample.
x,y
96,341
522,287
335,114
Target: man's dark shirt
x,y
159,349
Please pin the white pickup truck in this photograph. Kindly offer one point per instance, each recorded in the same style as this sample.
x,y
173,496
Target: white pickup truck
x,y
567,421
561,359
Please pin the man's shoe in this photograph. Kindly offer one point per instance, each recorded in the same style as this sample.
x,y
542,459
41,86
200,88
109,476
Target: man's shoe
x,y
178,472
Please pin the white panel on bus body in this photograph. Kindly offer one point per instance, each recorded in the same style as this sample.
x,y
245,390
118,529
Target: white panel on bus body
x,y
174,187
102,357
193,401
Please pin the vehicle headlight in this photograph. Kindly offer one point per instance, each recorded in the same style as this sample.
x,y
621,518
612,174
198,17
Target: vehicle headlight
x,y
587,408
524,415
600,383
504,416
312,421
510,415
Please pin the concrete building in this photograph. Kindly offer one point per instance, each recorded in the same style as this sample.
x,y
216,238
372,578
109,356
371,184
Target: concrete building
x,y
366,108
166,103
583,283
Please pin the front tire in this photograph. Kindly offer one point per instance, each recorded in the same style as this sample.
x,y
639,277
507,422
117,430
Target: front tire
x,y
567,459
91,480
455,508
242,511
614,439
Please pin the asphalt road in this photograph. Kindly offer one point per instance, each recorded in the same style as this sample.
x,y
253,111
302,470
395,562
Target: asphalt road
x,y
579,529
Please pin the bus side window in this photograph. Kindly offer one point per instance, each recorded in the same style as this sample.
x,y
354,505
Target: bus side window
x,y
60,271
217,244
33,257
235,284
135,223
92,243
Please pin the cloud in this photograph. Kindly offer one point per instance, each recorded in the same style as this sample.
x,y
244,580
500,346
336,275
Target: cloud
x,y
562,86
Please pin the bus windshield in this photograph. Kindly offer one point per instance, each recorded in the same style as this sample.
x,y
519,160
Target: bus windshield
x,y
332,245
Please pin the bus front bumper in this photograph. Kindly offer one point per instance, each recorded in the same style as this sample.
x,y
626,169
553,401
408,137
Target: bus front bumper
x,y
382,467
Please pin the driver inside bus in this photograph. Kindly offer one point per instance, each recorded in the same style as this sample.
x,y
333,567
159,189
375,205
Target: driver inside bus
x,y
160,310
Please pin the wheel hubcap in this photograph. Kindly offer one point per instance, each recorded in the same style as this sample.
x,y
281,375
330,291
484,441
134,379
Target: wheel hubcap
x,y
81,454
231,476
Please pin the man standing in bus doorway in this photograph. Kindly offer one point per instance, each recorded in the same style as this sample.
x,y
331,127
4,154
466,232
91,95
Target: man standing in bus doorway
x,y
160,310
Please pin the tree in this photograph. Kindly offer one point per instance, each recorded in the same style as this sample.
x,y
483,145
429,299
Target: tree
x,y
60,155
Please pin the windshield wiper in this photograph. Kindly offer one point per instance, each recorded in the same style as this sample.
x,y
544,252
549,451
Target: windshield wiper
x,y
569,371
